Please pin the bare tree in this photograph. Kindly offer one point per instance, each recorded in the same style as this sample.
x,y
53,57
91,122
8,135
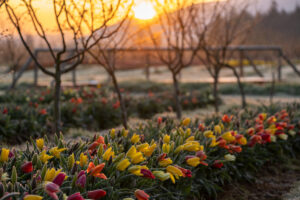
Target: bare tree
x,y
75,30
105,53
171,38
227,27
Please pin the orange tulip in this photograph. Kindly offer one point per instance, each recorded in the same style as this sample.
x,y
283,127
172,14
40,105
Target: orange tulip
x,y
96,170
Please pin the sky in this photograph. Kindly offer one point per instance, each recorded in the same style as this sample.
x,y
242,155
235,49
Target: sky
x,y
287,5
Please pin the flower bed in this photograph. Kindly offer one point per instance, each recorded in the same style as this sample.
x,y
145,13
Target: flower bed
x,y
29,113
162,160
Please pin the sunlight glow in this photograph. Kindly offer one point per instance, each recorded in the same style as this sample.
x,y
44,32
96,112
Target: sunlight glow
x,y
144,11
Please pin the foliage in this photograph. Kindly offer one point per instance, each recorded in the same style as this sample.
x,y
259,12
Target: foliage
x,y
161,160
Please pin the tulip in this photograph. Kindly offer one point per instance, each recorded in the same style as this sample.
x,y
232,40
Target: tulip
x,y
71,161
201,155
51,174
83,160
217,164
51,189
44,157
192,146
228,137
166,148
59,179
131,152
147,173
135,138
179,149
166,139
108,154
194,162
161,175
136,169
95,170
159,120
55,151
186,121
141,195
165,162
123,164
142,147
174,171
229,157
14,175
218,129
148,152
4,155
137,158
40,143
125,133
75,196
226,118
81,179
96,194
32,197
185,172
27,167
214,142
283,136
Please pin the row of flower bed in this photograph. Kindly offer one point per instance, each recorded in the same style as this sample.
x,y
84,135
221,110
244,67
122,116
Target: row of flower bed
x,y
29,113
160,160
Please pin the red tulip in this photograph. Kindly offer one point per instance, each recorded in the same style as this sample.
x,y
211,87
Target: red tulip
x,y
52,187
147,173
226,119
217,164
59,179
159,120
27,167
141,195
5,111
96,194
186,172
81,179
75,196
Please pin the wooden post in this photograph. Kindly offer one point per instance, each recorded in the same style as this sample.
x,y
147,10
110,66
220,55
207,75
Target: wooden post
x,y
74,77
241,63
279,67
147,69
35,75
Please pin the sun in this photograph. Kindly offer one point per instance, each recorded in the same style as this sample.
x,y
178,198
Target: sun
x,y
144,11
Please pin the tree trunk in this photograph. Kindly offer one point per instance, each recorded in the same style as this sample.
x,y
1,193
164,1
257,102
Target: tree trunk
x,y
177,97
241,87
57,92
122,103
215,92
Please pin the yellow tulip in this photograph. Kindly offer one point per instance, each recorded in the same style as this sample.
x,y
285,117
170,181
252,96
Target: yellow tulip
x,y
165,162
218,129
137,158
108,153
179,149
135,138
148,152
44,157
136,169
113,133
186,121
40,143
55,151
4,155
194,162
125,133
166,139
166,148
172,178
32,197
51,174
283,136
131,152
191,138
83,160
188,132
229,157
123,164
228,137
208,134
192,146
175,171
142,147
213,142
243,141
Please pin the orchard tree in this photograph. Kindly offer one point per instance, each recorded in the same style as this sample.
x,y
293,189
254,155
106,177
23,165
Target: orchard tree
x,y
77,26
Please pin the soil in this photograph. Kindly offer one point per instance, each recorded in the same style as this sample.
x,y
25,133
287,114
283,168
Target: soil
x,y
271,183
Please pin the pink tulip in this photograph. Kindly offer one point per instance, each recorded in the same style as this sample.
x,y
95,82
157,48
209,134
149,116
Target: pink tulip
x,y
75,196
96,194
59,179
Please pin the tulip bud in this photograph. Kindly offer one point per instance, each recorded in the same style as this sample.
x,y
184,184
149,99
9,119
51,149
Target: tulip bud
x,y
51,187
14,175
59,179
96,194
100,151
119,157
71,161
81,179
27,167
34,159
140,194
44,170
75,196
